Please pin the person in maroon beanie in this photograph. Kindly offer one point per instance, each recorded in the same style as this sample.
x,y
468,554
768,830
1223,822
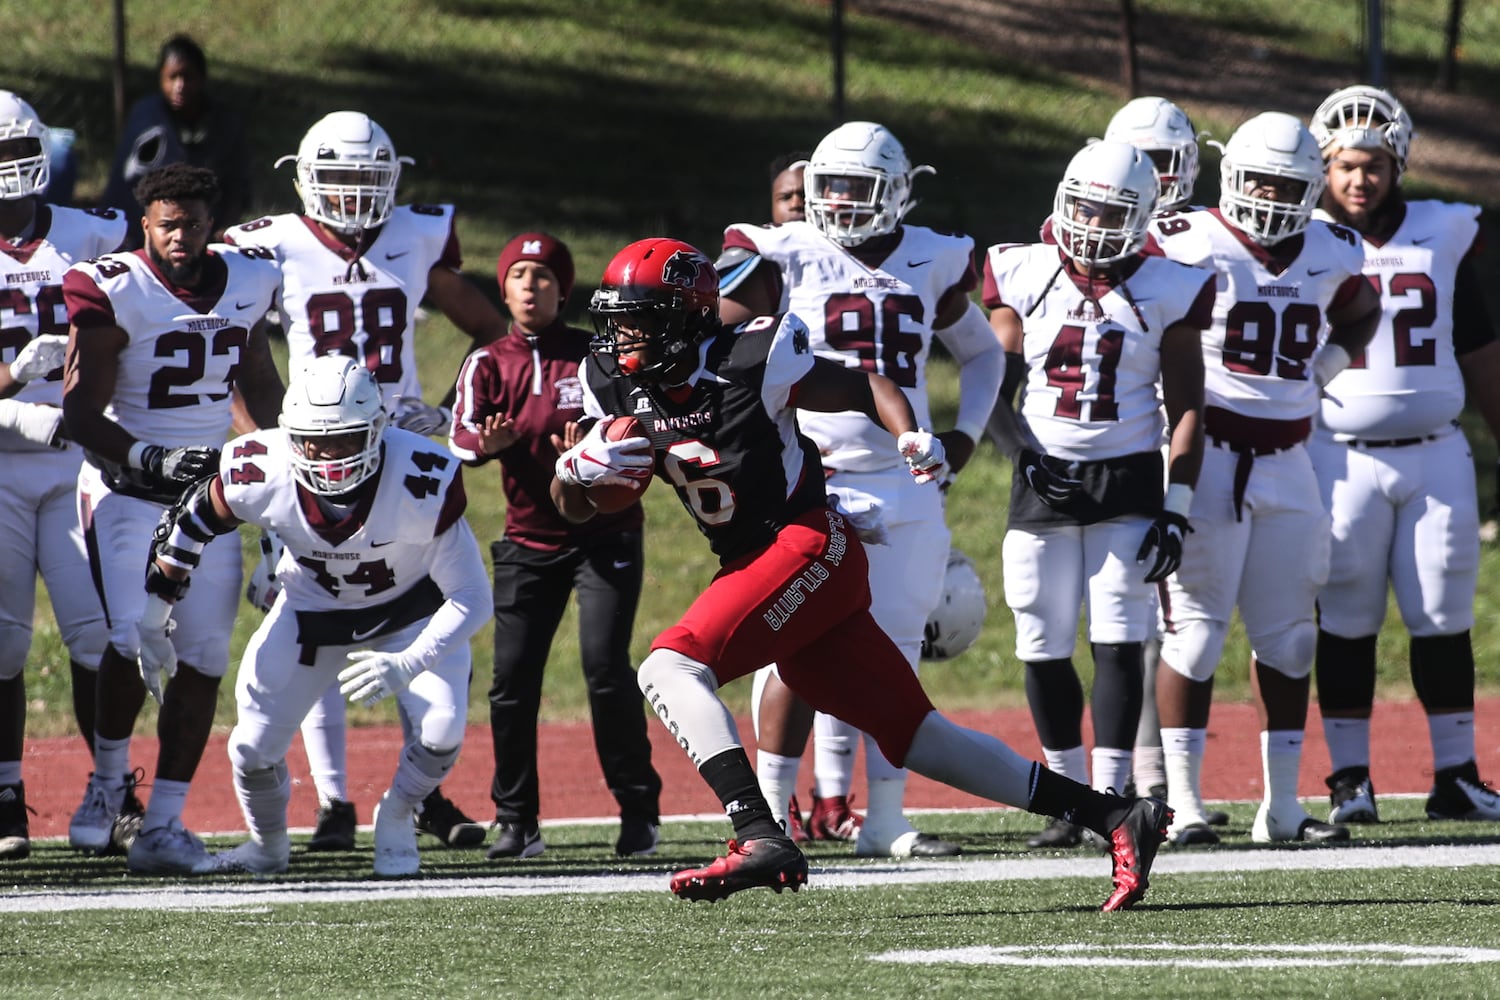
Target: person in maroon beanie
x,y
519,400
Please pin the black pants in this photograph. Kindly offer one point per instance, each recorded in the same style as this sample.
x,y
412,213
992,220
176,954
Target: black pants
x,y
531,592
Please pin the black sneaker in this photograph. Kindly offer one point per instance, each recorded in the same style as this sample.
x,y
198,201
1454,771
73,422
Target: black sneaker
x,y
15,828
335,827
518,839
1457,793
638,838
127,822
445,821
1352,796
1057,835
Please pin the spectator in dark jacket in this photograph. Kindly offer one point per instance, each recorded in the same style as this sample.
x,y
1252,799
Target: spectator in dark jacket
x,y
519,400
181,123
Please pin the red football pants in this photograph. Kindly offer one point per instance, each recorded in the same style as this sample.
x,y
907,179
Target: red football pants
x,y
803,603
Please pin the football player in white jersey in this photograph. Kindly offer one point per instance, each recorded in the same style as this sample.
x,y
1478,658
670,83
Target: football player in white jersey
x,y
1281,277
382,588
1165,133
1103,337
355,266
874,293
159,339
1396,472
38,522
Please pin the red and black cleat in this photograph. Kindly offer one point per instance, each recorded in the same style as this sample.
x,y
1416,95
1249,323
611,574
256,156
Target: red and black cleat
x,y
834,818
767,861
1133,849
796,827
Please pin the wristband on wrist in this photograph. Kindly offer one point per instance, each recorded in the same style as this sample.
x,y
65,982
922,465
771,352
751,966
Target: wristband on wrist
x,y
136,458
1179,499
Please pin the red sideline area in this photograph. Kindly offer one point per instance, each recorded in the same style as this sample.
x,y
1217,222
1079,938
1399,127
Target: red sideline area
x,y
56,770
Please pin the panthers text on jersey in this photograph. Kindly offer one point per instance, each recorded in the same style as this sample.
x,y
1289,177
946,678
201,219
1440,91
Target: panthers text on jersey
x,y
183,350
729,442
874,318
1270,311
1407,383
1093,349
31,287
387,547
362,306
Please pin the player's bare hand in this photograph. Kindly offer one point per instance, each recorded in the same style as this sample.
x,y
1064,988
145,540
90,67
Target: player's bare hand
x,y
497,433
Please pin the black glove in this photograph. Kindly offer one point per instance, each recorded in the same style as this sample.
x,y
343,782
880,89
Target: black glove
x,y
1164,537
179,466
1048,478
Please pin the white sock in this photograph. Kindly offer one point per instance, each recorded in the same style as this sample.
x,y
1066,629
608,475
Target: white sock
x,y
1348,742
167,800
323,734
883,813
1149,768
1182,755
420,770
970,761
1281,759
1111,767
264,794
1070,763
111,765
1452,739
834,742
778,782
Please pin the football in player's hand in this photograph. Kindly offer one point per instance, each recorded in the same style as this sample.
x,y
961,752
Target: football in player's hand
x,y
610,499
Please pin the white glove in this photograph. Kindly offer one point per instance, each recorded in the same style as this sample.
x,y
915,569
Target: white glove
x,y
263,587
36,422
597,461
924,455
157,656
416,416
40,356
372,676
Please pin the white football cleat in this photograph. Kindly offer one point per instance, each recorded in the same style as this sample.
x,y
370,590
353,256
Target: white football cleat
x,y
1269,829
1457,793
256,858
169,850
395,838
95,818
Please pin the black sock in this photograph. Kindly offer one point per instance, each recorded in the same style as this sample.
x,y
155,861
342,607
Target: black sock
x,y
1064,798
732,778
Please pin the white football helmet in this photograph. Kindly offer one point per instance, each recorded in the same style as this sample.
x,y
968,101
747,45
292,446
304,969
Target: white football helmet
x,y
24,169
955,623
1104,203
347,170
331,397
1363,117
858,183
1165,133
1276,148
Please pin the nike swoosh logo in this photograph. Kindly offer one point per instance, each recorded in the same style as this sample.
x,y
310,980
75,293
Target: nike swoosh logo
x,y
362,636
843,753
1313,274
622,564
244,305
1420,242
376,545
918,263
393,256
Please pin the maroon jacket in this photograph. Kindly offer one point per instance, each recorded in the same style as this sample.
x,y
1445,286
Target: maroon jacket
x,y
534,381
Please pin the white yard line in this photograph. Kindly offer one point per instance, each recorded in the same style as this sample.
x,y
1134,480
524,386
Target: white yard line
x,y
260,894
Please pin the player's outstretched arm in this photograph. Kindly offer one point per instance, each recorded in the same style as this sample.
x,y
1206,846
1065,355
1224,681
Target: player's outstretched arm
x,y
466,308
981,366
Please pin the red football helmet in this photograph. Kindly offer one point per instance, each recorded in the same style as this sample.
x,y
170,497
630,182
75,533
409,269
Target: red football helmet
x,y
658,298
